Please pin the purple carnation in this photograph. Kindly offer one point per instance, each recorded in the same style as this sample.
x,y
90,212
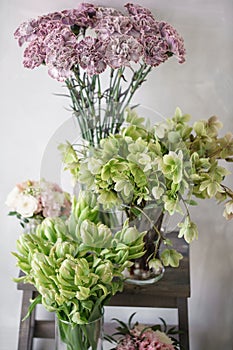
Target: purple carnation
x,y
26,32
155,50
174,40
103,12
60,53
119,39
134,9
34,54
90,54
121,50
54,16
142,20
112,25
144,25
46,28
83,16
36,28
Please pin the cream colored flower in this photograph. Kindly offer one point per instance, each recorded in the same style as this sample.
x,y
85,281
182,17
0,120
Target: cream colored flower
x,y
163,338
228,212
26,205
12,198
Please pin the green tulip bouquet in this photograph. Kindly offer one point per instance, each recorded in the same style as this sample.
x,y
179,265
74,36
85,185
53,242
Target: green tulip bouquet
x,y
77,267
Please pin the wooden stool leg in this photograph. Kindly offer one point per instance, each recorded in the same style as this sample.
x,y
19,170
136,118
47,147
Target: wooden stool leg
x,y
183,323
26,327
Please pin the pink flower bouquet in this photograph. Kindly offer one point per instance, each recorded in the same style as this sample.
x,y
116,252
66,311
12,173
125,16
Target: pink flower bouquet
x,y
142,337
36,200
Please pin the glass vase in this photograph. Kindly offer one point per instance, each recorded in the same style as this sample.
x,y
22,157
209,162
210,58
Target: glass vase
x,y
142,272
87,336
31,225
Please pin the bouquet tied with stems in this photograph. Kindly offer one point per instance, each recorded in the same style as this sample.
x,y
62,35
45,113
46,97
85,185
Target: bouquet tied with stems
x,y
137,336
76,267
81,45
32,201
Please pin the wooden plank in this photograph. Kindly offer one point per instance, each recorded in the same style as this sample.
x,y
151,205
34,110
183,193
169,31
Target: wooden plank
x,y
26,327
182,306
44,329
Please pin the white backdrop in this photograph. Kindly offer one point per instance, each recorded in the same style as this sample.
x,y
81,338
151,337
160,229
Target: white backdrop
x,y
31,113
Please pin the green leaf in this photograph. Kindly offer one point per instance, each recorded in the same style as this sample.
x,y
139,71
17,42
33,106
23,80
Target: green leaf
x,y
133,118
36,301
188,230
12,213
171,257
199,128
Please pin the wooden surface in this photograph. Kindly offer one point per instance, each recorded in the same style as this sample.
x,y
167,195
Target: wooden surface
x,y
174,284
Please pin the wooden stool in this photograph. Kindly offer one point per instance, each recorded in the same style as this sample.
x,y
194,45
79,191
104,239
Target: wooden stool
x,y
172,291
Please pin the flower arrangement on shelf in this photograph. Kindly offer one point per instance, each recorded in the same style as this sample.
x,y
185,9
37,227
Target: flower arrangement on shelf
x,y
161,167
138,336
77,46
77,266
81,44
33,201
146,172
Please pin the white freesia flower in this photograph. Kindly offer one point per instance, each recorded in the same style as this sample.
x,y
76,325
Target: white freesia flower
x,y
26,205
12,198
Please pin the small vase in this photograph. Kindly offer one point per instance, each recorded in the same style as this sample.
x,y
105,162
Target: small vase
x,y
87,336
141,273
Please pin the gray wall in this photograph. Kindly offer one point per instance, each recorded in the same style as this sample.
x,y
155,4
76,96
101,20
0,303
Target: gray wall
x,y
31,113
